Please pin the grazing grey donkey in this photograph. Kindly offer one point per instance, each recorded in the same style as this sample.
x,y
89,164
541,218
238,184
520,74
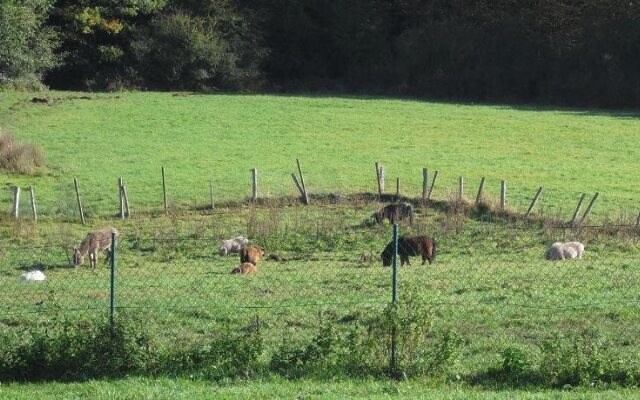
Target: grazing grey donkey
x,y
92,244
395,213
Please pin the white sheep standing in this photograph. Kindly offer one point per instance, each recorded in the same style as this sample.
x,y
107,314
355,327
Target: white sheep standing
x,y
232,245
563,251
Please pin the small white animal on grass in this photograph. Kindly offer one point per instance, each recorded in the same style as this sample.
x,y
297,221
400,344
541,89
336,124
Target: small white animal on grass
x,y
33,276
563,251
232,245
92,244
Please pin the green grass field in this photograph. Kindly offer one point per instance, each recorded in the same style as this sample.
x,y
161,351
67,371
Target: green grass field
x,y
489,282
146,388
199,137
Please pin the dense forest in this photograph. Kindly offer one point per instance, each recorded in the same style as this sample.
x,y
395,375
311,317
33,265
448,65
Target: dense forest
x,y
577,52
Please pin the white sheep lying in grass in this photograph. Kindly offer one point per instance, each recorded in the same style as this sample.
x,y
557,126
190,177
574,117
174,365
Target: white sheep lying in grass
x,y
562,251
232,245
33,276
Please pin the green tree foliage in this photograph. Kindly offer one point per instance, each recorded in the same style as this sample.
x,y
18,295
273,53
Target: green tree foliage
x,y
210,47
96,35
26,46
560,51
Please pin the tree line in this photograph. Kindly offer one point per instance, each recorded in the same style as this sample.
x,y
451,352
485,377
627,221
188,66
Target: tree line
x,y
577,52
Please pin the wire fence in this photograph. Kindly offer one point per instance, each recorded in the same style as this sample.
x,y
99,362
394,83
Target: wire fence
x,y
62,200
491,284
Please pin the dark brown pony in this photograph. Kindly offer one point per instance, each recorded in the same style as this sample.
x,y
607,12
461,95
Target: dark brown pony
x,y
394,213
410,246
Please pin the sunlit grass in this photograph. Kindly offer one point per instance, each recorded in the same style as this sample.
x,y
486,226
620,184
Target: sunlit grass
x,y
199,137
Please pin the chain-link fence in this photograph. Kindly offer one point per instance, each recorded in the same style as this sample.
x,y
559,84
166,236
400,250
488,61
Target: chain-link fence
x,y
491,283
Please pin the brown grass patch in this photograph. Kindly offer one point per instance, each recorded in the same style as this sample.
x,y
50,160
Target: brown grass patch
x,y
19,157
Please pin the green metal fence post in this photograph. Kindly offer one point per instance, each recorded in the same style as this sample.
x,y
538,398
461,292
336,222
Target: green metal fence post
x,y
394,299
394,268
112,304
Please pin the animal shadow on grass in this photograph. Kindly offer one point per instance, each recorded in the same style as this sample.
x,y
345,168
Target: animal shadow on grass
x,y
42,266
225,272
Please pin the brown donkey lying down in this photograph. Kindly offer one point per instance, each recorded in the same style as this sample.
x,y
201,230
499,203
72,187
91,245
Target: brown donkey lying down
x,y
410,246
245,269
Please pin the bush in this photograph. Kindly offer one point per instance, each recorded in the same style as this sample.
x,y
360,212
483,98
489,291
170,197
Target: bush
x,y
91,349
363,349
25,83
227,356
565,361
75,350
183,51
26,44
585,360
23,158
326,353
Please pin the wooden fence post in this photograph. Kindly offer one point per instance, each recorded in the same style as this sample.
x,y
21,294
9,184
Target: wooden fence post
x,y
254,184
32,195
304,185
397,187
586,213
480,190
503,194
127,212
425,183
16,202
378,179
461,188
75,184
164,192
121,196
533,203
295,181
433,184
575,213
211,193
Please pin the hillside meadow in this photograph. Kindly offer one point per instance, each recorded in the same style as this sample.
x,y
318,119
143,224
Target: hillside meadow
x,y
503,305
197,137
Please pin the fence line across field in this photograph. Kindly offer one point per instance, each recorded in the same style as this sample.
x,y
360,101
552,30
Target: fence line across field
x,y
300,185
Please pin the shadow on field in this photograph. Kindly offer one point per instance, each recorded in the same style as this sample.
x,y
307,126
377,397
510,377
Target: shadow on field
x,y
41,267
541,107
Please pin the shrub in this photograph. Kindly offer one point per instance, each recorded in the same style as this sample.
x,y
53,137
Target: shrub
x,y
575,360
23,158
207,51
27,44
324,353
363,348
228,355
72,350
585,360
422,350
518,367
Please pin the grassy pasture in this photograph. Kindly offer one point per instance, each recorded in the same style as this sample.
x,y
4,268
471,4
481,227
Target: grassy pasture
x,y
162,388
198,137
489,282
